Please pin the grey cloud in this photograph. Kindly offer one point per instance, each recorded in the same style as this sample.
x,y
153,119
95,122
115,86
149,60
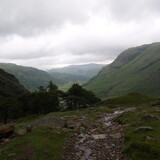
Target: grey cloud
x,y
45,33
24,17
125,10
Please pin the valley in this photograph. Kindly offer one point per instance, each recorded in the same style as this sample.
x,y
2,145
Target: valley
x,y
79,80
63,114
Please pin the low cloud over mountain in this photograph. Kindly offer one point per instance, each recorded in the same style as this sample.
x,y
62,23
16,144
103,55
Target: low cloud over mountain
x,y
50,33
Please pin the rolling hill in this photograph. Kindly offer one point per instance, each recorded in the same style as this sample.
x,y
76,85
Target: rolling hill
x,y
135,70
9,85
30,77
85,71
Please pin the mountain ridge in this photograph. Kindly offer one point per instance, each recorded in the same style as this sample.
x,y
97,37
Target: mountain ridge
x,y
85,70
134,70
30,77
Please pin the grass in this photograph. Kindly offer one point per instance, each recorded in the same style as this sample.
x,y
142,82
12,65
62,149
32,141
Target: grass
x,y
129,100
47,143
41,144
137,146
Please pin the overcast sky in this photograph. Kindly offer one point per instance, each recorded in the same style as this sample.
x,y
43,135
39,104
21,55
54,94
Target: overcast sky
x,y
55,33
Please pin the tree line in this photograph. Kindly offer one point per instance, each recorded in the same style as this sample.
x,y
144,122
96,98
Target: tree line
x,y
46,100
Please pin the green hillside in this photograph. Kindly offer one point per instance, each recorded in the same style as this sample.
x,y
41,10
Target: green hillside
x,y
129,100
30,77
135,70
9,85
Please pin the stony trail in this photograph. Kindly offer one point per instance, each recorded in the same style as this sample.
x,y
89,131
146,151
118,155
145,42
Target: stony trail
x,y
105,143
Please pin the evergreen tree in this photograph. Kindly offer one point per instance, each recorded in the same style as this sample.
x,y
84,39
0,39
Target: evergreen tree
x,y
52,87
77,97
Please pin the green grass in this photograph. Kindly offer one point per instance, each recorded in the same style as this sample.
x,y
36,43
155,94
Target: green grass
x,y
30,77
137,147
46,143
41,144
129,100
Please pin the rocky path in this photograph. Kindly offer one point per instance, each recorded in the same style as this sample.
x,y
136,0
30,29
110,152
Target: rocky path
x,y
98,143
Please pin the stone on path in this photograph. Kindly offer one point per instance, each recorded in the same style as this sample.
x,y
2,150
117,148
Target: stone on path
x,y
116,135
99,136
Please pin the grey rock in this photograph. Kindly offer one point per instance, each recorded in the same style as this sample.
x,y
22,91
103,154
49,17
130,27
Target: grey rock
x,y
144,128
116,135
98,136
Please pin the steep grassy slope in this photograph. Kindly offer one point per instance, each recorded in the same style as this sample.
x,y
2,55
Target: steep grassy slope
x,y
86,70
129,100
30,77
135,70
9,85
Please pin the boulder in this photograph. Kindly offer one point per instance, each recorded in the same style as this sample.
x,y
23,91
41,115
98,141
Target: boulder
x,y
6,131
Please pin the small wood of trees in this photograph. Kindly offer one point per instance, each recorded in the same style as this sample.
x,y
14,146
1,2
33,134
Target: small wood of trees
x,y
77,97
45,100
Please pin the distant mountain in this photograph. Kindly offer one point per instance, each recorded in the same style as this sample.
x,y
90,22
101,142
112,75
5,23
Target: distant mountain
x,y
135,70
86,71
64,78
30,77
9,85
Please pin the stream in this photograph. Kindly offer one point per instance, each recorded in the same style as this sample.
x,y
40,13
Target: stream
x,y
100,144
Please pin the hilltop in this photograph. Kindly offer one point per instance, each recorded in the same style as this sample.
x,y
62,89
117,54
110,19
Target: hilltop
x,y
9,85
30,77
134,70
